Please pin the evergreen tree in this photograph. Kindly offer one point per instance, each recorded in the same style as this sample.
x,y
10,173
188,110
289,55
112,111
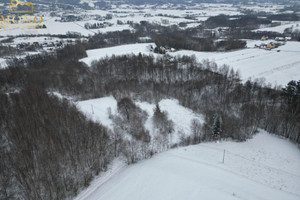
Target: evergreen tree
x,y
217,127
157,111
292,93
161,121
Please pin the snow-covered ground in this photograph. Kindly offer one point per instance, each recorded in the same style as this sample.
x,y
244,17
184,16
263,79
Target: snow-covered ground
x,y
263,7
40,40
97,109
281,28
171,14
2,63
265,167
4,60
181,116
97,54
56,27
276,67
125,14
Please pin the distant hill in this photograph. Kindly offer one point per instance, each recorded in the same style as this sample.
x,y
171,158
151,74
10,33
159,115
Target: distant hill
x,y
162,1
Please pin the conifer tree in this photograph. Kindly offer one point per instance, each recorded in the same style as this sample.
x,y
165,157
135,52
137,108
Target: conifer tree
x,y
217,127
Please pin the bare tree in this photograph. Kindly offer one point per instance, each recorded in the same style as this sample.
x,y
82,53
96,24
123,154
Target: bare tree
x,y
196,129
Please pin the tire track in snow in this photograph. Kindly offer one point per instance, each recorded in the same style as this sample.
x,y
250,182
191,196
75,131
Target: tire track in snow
x,y
280,68
243,56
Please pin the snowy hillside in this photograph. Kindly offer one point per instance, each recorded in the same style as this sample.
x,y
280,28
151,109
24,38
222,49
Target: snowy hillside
x,y
252,170
255,169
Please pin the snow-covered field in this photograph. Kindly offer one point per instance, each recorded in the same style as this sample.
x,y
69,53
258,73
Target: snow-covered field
x,y
276,67
265,167
97,54
97,109
264,7
281,28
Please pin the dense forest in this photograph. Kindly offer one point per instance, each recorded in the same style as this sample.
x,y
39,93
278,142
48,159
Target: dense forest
x,y
50,150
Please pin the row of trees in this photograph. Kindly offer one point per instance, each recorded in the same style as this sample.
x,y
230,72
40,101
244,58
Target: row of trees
x,y
190,39
171,36
9,50
96,25
245,21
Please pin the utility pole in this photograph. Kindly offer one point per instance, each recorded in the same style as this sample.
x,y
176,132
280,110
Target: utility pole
x,y
223,156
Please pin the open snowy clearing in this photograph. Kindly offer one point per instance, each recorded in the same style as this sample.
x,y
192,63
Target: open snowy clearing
x,y
252,170
277,66
97,109
181,117
96,54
